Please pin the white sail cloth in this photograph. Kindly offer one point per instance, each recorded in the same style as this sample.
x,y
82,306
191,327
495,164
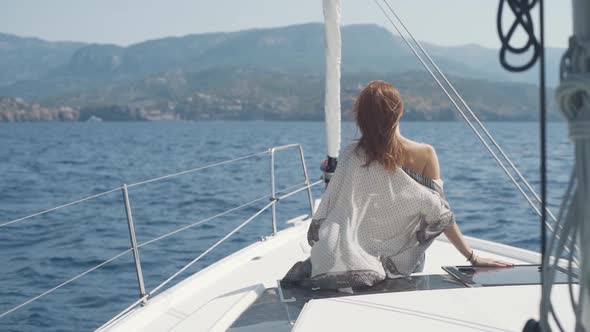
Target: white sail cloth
x,y
333,45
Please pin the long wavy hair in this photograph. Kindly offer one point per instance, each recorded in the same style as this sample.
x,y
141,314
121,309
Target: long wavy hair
x,y
377,112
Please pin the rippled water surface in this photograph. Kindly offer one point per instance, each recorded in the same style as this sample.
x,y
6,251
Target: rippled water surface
x,y
48,164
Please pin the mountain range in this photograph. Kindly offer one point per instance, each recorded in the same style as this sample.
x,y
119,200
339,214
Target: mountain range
x,y
274,73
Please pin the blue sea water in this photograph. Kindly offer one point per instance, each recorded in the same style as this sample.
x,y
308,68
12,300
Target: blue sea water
x,y
43,165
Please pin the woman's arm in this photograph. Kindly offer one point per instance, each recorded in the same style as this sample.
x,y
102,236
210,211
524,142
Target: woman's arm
x,y
453,233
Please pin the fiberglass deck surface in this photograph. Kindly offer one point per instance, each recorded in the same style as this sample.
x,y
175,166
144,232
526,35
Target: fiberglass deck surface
x,y
468,309
241,291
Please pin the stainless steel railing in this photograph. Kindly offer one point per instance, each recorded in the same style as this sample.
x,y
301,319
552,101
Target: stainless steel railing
x,y
274,197
272,180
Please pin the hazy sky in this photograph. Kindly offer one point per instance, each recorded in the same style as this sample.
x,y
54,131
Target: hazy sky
x,y
443,22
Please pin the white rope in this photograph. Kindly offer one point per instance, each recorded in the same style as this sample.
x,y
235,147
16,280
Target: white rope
x,y
579,130
573,95
64,283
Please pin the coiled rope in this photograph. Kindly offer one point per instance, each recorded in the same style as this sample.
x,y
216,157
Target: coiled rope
x,y
523,20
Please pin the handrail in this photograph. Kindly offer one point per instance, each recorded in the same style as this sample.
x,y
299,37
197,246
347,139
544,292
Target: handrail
x,y
144,296
133,240
272,179
156,289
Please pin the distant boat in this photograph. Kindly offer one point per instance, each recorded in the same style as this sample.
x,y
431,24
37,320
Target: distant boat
x,y
94,119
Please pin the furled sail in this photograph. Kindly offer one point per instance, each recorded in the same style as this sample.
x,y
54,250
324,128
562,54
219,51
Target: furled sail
x,y
332,13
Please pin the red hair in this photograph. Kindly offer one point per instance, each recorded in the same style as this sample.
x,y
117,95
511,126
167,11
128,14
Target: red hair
x,y
377,112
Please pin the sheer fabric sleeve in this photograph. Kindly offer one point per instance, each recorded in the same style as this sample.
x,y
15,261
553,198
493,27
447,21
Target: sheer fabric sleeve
x,y
436,216
328,199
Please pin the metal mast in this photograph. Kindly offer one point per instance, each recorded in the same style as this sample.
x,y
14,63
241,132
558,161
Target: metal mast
x,y
573,95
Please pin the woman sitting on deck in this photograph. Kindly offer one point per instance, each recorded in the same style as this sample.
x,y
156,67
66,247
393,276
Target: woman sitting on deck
x,y
384,206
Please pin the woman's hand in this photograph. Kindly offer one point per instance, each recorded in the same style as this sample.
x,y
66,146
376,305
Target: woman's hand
x,y
484,261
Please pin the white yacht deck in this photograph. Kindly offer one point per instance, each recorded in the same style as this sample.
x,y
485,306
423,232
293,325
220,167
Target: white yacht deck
x,y
214,298
467,309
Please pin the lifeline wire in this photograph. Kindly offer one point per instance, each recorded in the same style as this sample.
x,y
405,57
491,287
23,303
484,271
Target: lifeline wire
x,y
287,189
197,223
33,299
235,230
476,132
473,115
132,185
65,283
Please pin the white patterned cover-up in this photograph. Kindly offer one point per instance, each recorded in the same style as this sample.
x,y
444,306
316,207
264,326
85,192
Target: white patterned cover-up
x,y
372,223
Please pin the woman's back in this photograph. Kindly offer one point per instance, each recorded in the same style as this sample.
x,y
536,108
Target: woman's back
x,y
384,205
369,214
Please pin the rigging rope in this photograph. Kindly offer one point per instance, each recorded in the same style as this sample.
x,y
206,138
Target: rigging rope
x,y
572,97
537,54
564,237
462,113
473,115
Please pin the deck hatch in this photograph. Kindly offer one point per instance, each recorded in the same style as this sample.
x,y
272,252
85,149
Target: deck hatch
x,y
473,276
277,309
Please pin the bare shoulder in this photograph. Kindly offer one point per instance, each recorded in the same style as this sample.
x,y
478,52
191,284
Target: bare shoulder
x,y
428,151
431,167
421,158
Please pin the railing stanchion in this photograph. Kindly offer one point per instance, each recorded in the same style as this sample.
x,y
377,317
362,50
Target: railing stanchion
x,y
142,292
309,195
272,191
